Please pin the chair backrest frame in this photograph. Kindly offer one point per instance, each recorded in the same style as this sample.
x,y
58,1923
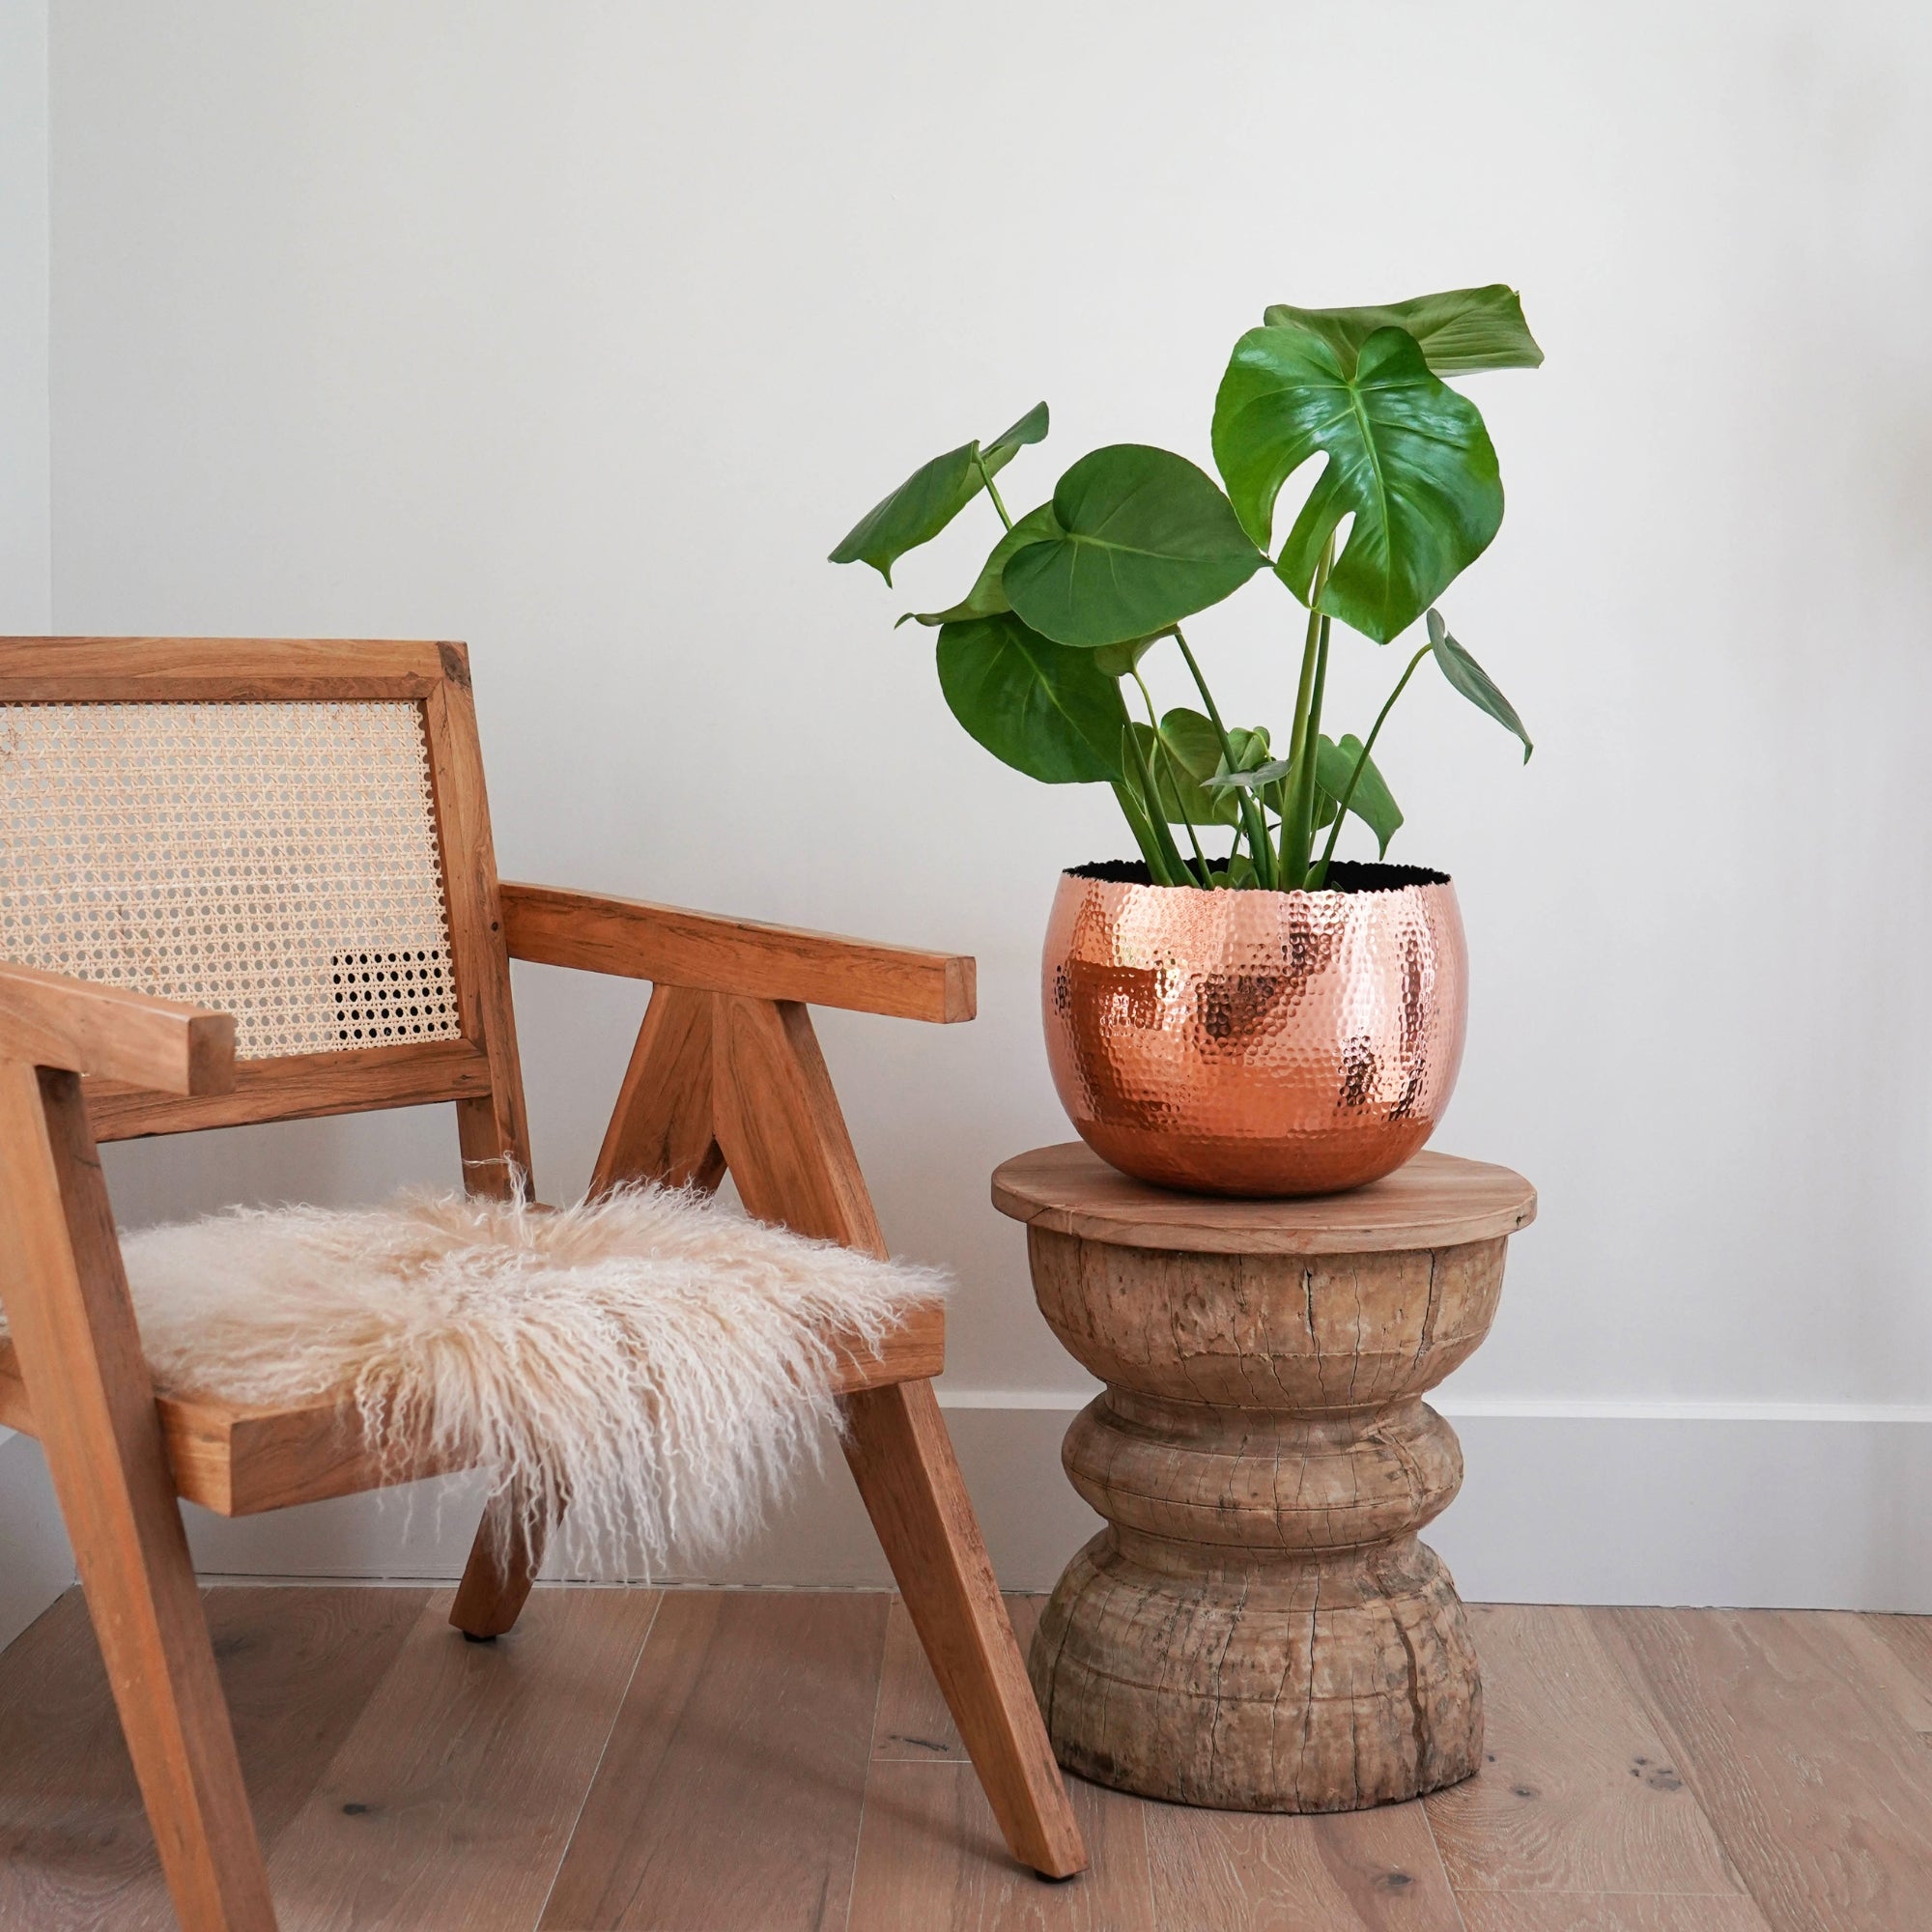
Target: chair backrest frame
x,y
480,1069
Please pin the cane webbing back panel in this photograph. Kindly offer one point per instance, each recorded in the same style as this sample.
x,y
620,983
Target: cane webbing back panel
x,y
275,861
293,830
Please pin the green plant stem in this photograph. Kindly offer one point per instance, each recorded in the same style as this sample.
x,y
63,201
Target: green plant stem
x,y
1147,698
1297,824
1297,819
1179,803
1172,862
1141,827
1194,839
1305,689
1252,821
992,490
1367,745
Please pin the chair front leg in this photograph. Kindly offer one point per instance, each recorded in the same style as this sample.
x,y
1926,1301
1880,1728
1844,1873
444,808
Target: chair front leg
x,y
787,1144
79,1354
902,1460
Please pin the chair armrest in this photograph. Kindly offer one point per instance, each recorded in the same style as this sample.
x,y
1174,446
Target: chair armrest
x,y
554,927
47,1019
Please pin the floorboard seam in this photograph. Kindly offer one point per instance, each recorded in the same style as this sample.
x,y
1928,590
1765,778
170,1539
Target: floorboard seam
x,y
1442,1866
597,1769
871,1761
1147,1865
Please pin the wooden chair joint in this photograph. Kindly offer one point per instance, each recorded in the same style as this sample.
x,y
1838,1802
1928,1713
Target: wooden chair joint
x,y
51,1019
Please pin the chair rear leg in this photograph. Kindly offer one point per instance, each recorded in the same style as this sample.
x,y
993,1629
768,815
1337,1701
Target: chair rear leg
x,y
902,1460
504,1564
93,1401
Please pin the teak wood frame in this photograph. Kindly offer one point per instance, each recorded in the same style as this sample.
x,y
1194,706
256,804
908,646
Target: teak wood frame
x,y
726,1072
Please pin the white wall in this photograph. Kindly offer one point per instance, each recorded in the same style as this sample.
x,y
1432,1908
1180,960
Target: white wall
x,y
26,552
582,333
35,1564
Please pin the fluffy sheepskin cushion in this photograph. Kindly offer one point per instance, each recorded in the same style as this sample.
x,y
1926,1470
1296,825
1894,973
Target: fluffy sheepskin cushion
x,y
660,1361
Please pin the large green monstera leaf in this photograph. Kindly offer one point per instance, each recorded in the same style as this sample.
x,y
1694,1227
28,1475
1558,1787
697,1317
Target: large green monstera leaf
x,y
1409,462
1458,331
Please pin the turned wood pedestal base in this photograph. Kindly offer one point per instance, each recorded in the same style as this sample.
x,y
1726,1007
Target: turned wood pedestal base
x,y
1258,1628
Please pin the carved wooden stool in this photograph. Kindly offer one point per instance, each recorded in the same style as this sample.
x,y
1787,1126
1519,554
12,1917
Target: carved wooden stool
x,y
1258,1628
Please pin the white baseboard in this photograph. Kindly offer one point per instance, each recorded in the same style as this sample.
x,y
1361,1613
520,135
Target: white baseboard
x,y
1788,1505
35,1563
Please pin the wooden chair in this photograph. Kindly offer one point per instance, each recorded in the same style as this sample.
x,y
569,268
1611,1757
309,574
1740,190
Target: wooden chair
x,y
291,837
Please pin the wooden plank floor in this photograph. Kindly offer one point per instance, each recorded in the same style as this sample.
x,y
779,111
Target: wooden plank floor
x,y
732,1761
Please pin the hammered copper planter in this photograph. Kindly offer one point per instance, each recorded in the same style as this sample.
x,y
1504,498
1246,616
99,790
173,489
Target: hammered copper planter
x,y
1255,1043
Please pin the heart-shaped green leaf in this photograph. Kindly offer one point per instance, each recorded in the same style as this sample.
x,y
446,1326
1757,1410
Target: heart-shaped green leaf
x,y
1408,459
1473,681
1044,709
915,513
1193,739
1370,800
1459,331
1144,540
988,597
931,496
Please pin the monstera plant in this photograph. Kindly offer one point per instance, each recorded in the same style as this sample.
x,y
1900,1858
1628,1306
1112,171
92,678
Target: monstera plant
x,y
1036,660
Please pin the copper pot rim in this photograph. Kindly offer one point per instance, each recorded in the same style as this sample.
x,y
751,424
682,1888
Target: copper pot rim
x,y
1389,878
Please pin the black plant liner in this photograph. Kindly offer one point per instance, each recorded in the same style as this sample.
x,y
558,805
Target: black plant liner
x,y
1345,875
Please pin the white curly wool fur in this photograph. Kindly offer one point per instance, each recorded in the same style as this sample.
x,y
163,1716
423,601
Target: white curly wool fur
x,y
657,1360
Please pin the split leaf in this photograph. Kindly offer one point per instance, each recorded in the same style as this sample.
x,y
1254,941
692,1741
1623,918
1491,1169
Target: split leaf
x,y
1409,461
